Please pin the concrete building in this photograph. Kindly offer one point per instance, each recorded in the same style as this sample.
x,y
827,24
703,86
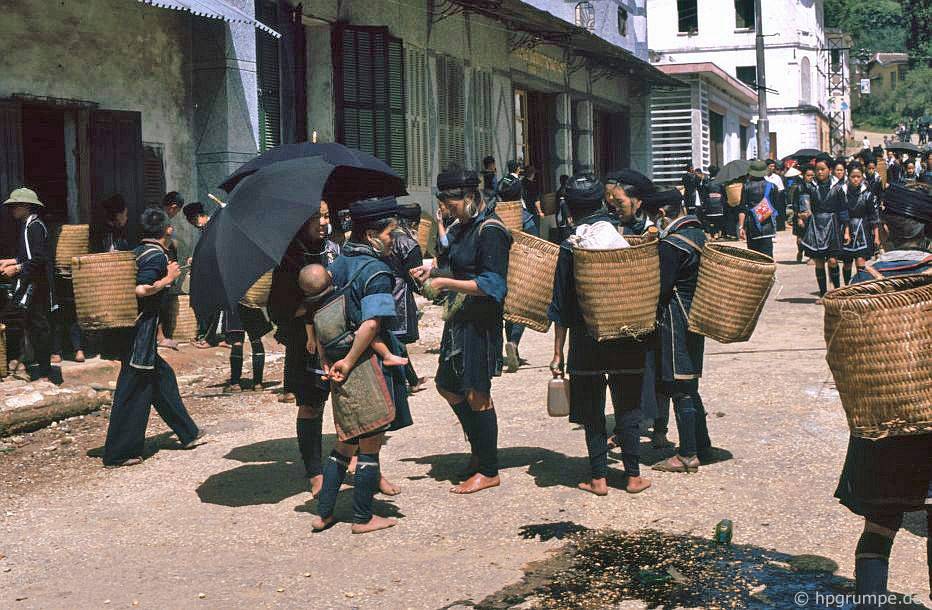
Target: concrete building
x,y
621,22
707,121
886,71
722,32
143,96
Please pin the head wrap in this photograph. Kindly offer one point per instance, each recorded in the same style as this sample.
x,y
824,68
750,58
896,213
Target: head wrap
x,y
663,198
172,197
368,211
409,211
457,178
192,210
911,203
641,183
584,192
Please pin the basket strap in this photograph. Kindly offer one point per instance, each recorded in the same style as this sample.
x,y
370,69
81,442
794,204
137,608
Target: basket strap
x,y
873,272
493,222
685,240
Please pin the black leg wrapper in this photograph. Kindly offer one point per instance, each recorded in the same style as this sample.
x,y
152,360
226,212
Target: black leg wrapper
x,y
334,473
309,444
367,478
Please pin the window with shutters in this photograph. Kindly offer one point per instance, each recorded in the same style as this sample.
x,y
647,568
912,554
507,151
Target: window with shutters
x,y
369,75
481,118
451,96
269,77
522,135
153,173
418,148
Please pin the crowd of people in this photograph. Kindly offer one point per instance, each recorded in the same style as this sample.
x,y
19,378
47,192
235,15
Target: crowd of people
x,y
342,303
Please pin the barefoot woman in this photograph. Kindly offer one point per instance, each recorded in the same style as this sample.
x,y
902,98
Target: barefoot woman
x,y
593,365
470,351
364,282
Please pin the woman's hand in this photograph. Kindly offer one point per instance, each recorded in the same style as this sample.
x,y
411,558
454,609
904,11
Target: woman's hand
x,y
420,274
847,237
556,365
339,370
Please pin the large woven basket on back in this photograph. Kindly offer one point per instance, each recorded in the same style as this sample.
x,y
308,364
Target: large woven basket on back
x,y
733,193
733,286
511,213
104,290
182,325
531,265
70,241
878,337
3,363
258,293
618,290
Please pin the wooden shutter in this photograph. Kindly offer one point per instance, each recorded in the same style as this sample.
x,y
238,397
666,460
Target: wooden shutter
x,y
268,73
451,111
480,98
11,169
153,174
369,74
293,69
115,139
416,88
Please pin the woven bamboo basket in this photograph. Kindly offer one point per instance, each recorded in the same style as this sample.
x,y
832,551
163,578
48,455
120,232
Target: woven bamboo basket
x,y
183,324
878,339
511,213
733,286
424,229
104,290
640,240
733,193
531,265
3,363
258,293
618,290
71,241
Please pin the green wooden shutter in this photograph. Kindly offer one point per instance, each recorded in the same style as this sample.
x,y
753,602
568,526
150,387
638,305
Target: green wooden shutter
x,y
451,111
369,68
269,77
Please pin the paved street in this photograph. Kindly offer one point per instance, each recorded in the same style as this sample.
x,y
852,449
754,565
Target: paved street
x,y
227,525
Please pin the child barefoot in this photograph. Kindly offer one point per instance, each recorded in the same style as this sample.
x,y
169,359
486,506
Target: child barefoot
x,y
315,282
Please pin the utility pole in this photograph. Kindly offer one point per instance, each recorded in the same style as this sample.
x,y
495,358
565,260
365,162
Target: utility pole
x,y
763,125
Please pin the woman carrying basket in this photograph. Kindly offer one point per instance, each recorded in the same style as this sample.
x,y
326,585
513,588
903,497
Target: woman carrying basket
x,y
821,240
359,312
594,366
883,479
862,232
471,347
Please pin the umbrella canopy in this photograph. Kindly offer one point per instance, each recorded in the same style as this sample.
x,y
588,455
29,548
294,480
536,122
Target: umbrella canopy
x,y
733,170
904,147
331,152
807,153
263,213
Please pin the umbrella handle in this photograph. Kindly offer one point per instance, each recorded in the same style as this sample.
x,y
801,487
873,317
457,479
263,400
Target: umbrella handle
x,y
216,200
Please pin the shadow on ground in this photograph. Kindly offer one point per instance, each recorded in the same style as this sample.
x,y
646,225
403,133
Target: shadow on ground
x,y
651,569
272,472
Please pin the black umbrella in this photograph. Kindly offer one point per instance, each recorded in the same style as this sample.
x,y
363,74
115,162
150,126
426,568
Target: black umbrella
x,y
806,154
904,147
733,170
331,152
263,213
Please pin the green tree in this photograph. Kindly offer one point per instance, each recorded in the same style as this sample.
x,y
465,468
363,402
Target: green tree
x,y
879,25
919,37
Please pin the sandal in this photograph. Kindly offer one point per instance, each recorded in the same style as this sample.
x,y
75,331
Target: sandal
x,y
678,464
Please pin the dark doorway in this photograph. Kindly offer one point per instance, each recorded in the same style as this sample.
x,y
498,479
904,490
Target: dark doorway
x,y
610,134
44,168
716,138
541,112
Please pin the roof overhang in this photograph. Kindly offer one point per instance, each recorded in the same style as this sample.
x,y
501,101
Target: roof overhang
x,y
715,74
214,9
541,27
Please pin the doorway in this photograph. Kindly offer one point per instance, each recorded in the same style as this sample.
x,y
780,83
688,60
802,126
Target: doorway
x,y
716,138
610,135
45,169
535,116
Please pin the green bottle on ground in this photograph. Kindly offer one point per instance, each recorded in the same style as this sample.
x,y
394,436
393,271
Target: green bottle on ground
x,y
723,531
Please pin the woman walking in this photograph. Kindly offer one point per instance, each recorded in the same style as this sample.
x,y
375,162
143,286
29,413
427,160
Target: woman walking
x,y
822,212
862,232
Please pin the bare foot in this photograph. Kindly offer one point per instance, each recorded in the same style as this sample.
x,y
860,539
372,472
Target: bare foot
x,y
598,487
420,386
476,482
319,524
316,483
79,356
393,360
387,488
637,484
287,397
375,524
